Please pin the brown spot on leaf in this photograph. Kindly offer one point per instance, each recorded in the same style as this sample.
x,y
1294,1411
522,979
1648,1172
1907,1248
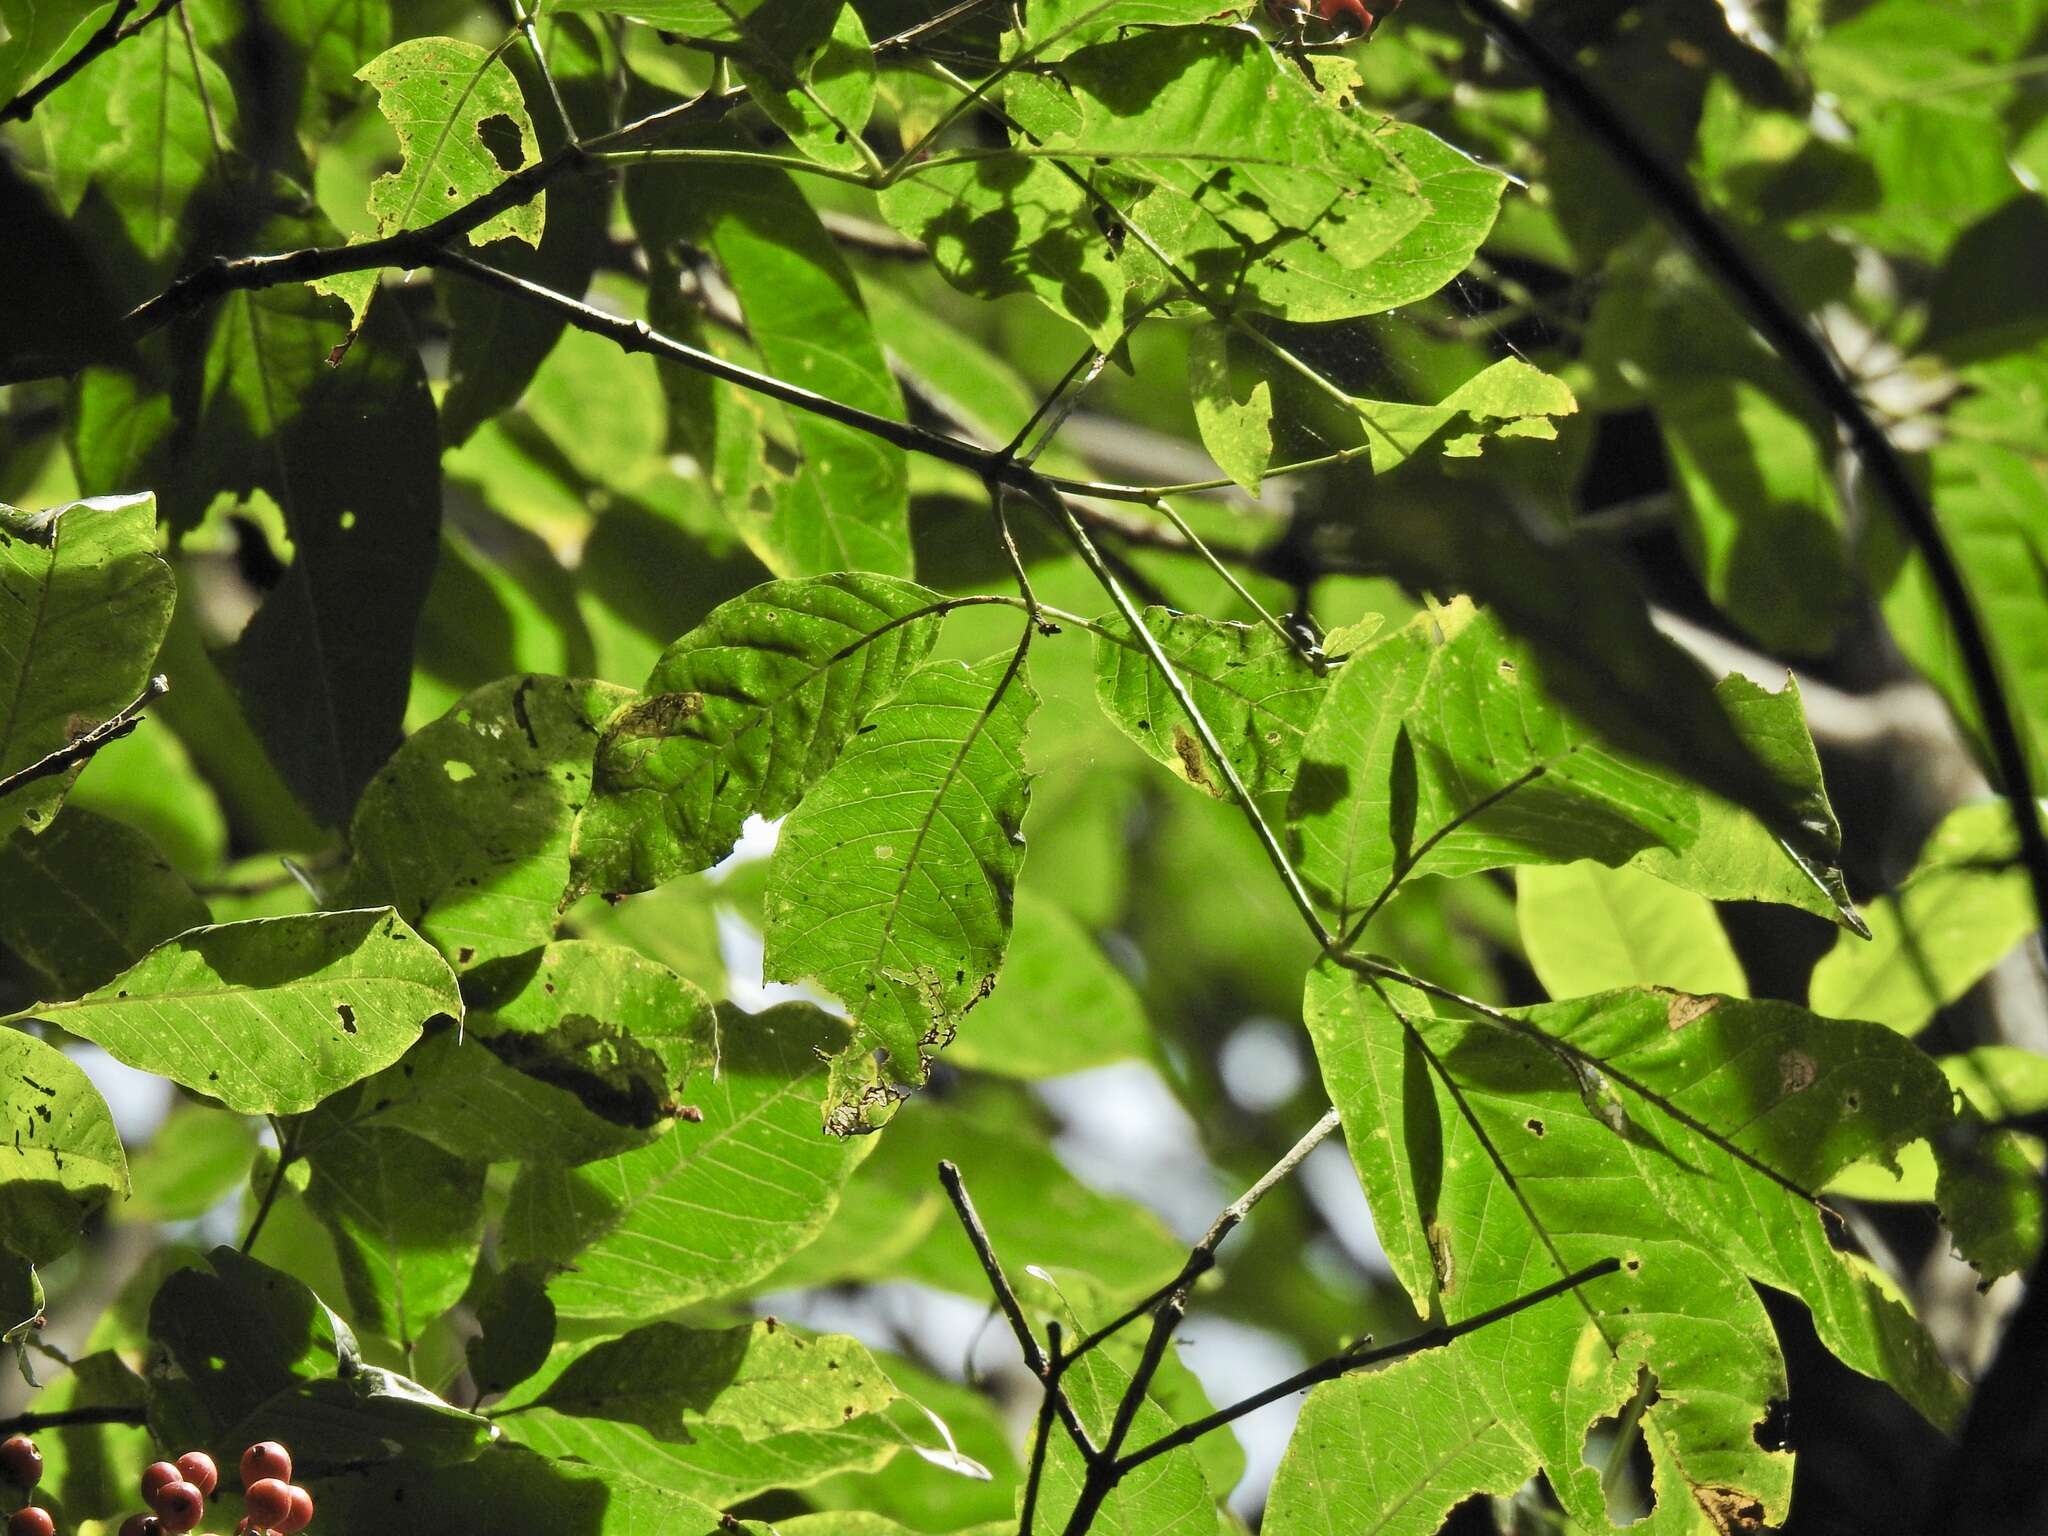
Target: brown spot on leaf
x,y
1189,751
1796,1072
1681,1008
1730,1509
658,715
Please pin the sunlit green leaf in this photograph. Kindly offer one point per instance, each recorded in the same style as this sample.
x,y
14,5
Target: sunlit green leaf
x,y
466,829
892,883
1253,687
1960,911
1394,1451
740,717
1588,928
63,1160
720,1200
270,1016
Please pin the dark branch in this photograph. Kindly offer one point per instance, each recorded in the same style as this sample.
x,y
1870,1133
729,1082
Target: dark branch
x,y
115,31
67,1418
1803,350
81,747
1355,1359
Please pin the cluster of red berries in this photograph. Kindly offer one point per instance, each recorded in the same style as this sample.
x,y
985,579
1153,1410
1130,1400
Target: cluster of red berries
x,y
177,1492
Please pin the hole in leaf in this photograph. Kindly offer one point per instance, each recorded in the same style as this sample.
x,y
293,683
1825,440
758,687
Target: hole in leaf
x,y
1615,1447
347,1015
1536,1127
500,135
1773,1432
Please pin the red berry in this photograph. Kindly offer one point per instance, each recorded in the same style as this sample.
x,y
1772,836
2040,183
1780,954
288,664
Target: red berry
x,y
31,1521
269,1502
301,1514
20,1462
197,1468
141,1525
156,1477
266,1458
179,1506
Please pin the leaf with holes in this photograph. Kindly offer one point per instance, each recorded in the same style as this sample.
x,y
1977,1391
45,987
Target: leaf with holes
x,y
740,716
61,1159
1252,687
1496,1147
466,829
892,883
271,1016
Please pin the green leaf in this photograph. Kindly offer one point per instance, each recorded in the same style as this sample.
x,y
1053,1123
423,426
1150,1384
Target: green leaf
x,y
86,1467
87,899
896,1224
1994,514
146,123
1252,687
1258,188
466,830
406,1217
1233,403
87,600
516,1330
1763,528
1015,225
33,34
1590,929
511,1491
1410,762
1736,857
271,1016
1060,1004
760,1380
197,1156
1705,1121
1168,1496
462,129
891,885
1581,612
717,1202
1393,1451
844,504
740,717
568,1055
229,1336
1962,910
364,1416
722,1466
811,70
62,1160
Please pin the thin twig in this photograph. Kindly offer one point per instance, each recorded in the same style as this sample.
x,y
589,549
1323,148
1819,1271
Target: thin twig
x,y
116,30
1202,1257
1041,1433
540,62
1672,194
1013,1309
287,1154
82,746
1346,1361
